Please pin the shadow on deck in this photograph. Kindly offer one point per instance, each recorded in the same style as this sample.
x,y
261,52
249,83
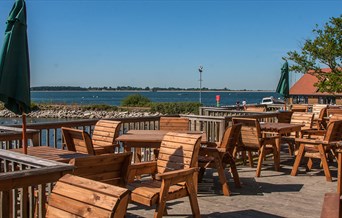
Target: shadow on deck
x,y
274,194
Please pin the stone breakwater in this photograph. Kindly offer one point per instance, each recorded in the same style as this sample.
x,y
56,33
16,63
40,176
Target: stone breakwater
x,y
75,112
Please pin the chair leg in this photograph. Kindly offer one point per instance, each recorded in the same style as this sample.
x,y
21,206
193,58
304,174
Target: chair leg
x,y
190,184
291,148
309,164
260,160
234,172
299,157
220,172
276,158
250,159
161,206
201,174
324,162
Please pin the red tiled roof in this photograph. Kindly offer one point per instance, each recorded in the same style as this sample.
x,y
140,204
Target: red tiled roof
x,y
305,85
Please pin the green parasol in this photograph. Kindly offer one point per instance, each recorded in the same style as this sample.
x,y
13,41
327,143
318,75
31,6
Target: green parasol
x,y
14,65
283,87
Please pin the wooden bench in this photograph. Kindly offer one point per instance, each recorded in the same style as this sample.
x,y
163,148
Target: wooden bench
x,y
107,168
75,196
331,206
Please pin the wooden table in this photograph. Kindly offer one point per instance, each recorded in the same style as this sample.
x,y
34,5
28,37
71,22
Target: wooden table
x,y
281,129
148,139
50,153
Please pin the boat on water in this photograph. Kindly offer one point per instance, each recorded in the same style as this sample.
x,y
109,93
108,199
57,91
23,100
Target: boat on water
x,y
272,100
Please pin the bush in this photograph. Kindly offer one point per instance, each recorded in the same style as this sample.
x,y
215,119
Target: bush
x,y
99,107
34,106
176,108
136,100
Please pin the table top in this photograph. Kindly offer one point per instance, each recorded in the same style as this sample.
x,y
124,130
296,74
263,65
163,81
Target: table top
x,y
278,127
151,136
50,153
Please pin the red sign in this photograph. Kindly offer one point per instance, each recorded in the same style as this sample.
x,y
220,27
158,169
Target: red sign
x,y
218,97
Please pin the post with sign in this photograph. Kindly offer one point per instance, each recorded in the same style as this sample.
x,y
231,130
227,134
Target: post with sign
x,y
218,97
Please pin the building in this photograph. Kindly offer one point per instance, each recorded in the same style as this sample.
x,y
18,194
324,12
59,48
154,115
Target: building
x,y
304,92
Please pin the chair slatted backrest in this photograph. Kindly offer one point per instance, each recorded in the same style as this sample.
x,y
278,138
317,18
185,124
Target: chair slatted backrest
x,y
107,168
73,196
317,110
335,117
178,151
78,140
284,116
333,111
250,131
334,131
299,108
105,132
231,137
302,118
175,124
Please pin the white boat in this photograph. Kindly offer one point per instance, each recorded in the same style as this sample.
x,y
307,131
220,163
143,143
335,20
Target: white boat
x,y
272,100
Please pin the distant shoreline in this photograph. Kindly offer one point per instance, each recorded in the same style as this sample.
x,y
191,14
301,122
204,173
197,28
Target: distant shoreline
x,y
260,91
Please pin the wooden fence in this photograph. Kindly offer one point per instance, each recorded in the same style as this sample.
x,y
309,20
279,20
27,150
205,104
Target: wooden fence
x,y
24,182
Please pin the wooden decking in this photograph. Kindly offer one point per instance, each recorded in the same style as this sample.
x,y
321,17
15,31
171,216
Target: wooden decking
x,y
274,194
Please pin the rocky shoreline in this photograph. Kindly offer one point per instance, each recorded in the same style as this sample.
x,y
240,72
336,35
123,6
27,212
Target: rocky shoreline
x,y
67,111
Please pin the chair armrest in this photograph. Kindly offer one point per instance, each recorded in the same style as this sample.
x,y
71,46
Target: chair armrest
x,y
212,144
209,151
139,169
104,149
313,132
176,176
310,141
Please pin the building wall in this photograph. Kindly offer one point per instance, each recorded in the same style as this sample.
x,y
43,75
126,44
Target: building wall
x,y
339,100
312,100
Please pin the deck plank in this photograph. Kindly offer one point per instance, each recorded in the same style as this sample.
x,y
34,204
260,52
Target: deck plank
x,y
274,194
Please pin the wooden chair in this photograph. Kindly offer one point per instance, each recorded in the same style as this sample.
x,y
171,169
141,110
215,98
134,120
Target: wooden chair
x,y
102,141
174,174
253,141
299,108
174,124
298,118
284,116
333,111
106,168
74,196
104,135
331,206
218,155
313,148
319,111
78,140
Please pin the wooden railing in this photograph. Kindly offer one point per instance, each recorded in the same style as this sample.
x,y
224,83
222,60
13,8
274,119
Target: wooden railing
x,y
50,133
10,137
23,182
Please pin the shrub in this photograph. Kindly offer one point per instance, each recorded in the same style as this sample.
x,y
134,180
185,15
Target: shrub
x,y
34,106
99,107
176,107
136,100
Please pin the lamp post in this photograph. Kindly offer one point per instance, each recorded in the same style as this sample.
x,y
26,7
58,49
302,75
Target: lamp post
x,y
200,70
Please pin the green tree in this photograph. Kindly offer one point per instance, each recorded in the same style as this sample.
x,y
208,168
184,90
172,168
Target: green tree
x,y
325,50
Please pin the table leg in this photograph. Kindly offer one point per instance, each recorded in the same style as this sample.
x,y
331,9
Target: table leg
x,y
277,161
339,173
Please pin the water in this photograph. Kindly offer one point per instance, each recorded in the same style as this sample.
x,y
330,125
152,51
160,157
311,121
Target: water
x,y
115,98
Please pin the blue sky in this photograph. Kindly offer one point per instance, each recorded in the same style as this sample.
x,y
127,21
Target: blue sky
x,y
240,44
